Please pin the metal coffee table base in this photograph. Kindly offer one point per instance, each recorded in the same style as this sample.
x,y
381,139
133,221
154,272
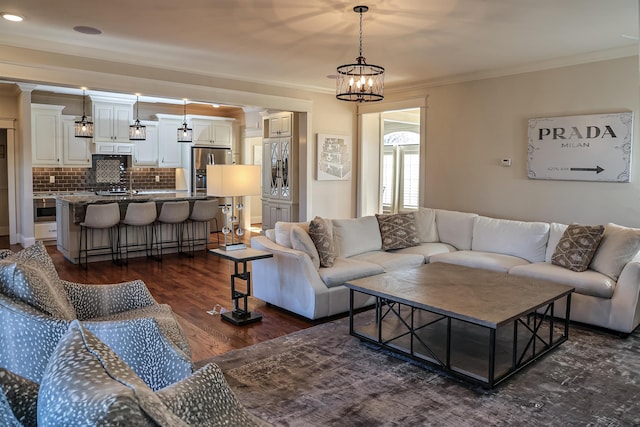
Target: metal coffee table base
x,y
476,353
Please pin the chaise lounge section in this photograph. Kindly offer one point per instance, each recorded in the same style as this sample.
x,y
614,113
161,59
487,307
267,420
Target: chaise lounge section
x,y
607,292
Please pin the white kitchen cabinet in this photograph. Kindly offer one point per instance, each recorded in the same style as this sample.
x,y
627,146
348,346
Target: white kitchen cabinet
x,y
111,120
145,153
169,149
46,134
114,148
280,125
76,152
216,133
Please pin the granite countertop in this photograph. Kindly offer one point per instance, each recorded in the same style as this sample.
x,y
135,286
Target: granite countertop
x,y
85,199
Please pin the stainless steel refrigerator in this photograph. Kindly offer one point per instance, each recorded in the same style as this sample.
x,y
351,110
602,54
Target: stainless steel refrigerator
x,y
200,158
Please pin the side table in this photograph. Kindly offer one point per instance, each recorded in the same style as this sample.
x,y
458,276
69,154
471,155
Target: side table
x,y
240,314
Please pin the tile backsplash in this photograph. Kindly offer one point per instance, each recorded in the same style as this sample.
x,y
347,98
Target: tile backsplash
x,y
85,179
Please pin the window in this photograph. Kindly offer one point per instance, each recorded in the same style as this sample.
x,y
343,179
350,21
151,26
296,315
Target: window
x,y
400,171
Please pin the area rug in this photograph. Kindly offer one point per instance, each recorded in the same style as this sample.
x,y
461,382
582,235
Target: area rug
x,y
324,377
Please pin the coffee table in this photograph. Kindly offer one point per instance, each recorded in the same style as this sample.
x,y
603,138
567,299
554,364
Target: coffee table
x,y
478,325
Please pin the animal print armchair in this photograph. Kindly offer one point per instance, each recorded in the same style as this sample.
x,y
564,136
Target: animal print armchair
x,y
37,307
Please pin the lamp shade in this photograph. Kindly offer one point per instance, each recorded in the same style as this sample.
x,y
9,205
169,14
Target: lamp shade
x,y
233,180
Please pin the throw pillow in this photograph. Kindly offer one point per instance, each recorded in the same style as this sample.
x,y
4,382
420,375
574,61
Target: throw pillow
x,y
205,399
577,246
426,225
398,231
86,383
321,232
18,399
31,277
301,241
283,232
618,246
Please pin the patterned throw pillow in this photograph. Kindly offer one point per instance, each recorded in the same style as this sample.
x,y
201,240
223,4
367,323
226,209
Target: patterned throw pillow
x,y
398,231
31,277
321,232
577,246
18,400
86,383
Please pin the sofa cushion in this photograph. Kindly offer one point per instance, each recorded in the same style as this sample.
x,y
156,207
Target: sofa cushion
x,y
522,239
345,269
556,230
31,277
391,261
356,236
283,232
587,282
426,225
86,383
18,400
321,233
301,241
577,246
427,250
618,246
477,259
455,228
398,231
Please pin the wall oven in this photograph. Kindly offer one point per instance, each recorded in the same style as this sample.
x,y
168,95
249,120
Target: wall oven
x,y
44,209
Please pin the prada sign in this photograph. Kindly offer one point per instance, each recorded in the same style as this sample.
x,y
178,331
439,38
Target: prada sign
x,y
581,148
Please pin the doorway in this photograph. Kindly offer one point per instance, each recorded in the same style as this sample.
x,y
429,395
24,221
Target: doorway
x,y
392,155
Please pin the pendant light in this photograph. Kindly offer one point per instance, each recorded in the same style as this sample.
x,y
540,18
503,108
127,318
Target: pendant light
x,y
83,128
185,132
360,82
137,132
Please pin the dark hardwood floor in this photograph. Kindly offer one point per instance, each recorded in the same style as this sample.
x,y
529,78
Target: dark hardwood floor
x,y
191,286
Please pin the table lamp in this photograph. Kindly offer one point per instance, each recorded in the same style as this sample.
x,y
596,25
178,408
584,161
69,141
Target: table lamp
x,y
233,181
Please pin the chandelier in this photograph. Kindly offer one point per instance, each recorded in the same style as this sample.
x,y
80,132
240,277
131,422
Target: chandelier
x,y
83,128
137,132
184,131
360,82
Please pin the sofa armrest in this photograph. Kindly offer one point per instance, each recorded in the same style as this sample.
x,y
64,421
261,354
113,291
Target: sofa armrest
x,y
626,298
288,280
92,301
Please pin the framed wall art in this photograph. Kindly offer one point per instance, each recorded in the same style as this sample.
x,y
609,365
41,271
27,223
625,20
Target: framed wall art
x,y
334,157
594,147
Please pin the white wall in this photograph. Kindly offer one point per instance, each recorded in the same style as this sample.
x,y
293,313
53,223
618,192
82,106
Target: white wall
x,y
471,126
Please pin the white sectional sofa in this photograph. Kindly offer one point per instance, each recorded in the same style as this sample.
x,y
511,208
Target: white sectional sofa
x,y
606,294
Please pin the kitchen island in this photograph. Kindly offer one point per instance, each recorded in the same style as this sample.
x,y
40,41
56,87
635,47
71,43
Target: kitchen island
x,y
70,210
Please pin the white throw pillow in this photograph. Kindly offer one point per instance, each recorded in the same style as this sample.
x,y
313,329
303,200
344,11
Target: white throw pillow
x,y
283,232
356,236
301,241
455,228
426,225
618,246
556,230
523,239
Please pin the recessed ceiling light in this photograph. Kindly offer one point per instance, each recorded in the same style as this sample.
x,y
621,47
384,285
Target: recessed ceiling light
x,y
12,18
87,30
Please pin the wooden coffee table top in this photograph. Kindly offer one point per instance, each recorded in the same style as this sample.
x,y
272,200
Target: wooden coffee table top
x,y
479,296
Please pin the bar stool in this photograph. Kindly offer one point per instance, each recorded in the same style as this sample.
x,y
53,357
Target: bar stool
x,y
204,211
99,217
175,215
140,216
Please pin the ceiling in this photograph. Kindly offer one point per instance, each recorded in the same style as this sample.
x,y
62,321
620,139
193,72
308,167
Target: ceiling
x,y
297,44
